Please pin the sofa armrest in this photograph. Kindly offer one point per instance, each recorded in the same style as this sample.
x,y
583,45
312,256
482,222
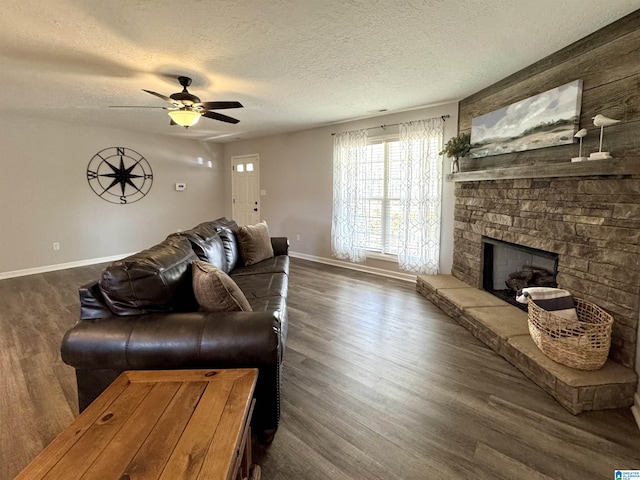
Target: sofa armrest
x,y
92,303
280,245
174,341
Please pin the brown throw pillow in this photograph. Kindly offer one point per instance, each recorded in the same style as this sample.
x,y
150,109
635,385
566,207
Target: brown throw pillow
x,y
216,291
255,243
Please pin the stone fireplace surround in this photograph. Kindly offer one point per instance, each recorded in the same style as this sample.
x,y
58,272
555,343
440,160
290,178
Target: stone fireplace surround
x,y
591,222
588,211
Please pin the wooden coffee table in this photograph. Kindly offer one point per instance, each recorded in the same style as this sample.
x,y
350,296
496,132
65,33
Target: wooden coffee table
x,y
164,424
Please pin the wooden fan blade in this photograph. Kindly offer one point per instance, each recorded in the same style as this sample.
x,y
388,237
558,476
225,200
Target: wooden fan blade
x,y
220,105
159,95
219,116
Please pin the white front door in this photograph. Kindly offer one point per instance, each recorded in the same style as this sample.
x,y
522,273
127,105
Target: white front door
x,y
245,189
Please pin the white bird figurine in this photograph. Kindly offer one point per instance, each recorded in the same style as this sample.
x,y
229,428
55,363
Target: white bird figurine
x,y
601,121
580,134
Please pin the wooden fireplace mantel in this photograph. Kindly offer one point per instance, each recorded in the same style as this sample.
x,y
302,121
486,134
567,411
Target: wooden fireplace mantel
x,y
614,166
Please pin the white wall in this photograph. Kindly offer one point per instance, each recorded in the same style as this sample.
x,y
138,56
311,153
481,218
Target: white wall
x,y
45,197
296,172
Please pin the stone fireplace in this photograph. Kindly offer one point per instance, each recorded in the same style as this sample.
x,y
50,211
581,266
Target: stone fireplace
x,y
586,212
592,223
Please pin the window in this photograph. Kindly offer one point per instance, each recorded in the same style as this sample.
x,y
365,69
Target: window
x,y
386,195
240,168
382,197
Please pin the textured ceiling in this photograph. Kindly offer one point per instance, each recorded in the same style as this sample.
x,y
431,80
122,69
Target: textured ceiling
x,y
293,64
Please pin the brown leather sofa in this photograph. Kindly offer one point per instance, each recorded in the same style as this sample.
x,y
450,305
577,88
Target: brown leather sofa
x,y
142,314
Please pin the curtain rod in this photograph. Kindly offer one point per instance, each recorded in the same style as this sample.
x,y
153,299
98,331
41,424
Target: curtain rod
x,y
443,117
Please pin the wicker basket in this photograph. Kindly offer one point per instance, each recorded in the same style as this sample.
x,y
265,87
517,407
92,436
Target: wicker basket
x,y
582,344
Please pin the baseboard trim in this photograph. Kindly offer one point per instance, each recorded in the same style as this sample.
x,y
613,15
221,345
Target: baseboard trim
x,y
328,261
407,277
636,409
61,266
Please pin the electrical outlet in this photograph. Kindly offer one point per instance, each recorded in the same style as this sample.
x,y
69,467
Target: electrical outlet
x,y
56,246
181,187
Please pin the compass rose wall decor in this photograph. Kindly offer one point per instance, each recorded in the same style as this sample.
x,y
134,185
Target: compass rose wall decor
x,y
119,175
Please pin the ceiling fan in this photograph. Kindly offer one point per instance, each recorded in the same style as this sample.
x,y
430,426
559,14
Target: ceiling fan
x,y
186,109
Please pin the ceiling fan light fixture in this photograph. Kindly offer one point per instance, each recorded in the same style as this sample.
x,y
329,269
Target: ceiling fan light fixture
x,y
185,117
186,109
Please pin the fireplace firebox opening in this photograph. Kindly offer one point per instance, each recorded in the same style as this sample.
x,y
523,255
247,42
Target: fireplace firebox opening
x,y
508,267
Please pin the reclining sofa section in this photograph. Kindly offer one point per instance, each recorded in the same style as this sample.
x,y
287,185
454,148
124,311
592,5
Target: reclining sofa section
x,y
142,315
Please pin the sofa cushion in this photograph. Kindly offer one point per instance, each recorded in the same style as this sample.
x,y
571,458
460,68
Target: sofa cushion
x,y
272,304
262,285
279,264
205,229
216,291
207,245
230,245
154,280
224,222
255,243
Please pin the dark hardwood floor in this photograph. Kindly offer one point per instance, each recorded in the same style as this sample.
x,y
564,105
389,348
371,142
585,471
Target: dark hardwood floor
x,y
378,384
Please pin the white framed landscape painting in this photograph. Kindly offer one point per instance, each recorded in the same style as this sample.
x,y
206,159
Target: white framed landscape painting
x,y
544,120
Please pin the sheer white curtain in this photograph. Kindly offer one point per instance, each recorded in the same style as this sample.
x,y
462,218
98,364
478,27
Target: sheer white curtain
x,y
416,222
419,244
348,226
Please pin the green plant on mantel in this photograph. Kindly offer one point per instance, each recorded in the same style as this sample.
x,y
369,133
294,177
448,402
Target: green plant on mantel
x,y
456,147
